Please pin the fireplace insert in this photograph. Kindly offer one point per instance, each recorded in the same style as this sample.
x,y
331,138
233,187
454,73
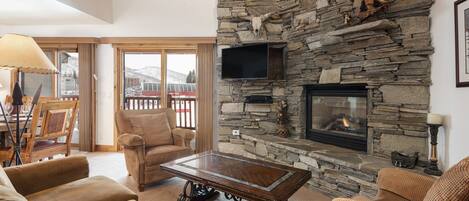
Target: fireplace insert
x,y
337,115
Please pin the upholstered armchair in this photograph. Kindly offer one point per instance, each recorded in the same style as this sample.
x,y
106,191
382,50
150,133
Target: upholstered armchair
x,y
398,185
401,185
150,138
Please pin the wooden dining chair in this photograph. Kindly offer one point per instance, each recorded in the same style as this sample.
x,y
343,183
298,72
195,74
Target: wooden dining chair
x,y
51,120
28,100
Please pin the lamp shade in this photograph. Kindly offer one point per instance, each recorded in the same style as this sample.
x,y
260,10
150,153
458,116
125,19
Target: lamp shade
x,y
22,53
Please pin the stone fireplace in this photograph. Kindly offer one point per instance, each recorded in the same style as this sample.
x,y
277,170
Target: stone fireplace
x,y
388,52
337,115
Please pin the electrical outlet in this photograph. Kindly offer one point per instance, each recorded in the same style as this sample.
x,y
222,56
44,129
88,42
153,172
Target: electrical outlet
x,y
235,132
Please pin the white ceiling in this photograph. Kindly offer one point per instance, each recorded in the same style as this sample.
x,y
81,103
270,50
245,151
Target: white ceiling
x,y
54,12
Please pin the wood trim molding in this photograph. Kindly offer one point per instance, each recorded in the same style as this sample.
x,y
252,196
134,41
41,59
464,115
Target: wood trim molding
x,y
66,40
105,148
73,41
118,72
158,40
153,47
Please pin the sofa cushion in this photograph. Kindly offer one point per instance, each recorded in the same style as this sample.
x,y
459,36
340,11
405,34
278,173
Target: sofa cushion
x,y
154,128
8,194
384,195
93,189
5,181
452,185
161,154
124,125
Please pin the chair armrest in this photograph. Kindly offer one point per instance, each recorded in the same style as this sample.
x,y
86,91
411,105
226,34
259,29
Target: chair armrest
x,y
409,185
182,137
131,140
35,177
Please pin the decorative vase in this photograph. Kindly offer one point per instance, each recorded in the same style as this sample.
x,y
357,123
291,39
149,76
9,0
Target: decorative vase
x,y
282,119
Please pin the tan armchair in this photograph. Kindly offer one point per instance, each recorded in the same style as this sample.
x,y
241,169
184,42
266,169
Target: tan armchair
x,y
401,185
150,138
59,179
398,185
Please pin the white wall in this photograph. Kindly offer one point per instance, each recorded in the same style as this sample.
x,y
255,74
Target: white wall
x,y
160,18
105,98
136,18
445,97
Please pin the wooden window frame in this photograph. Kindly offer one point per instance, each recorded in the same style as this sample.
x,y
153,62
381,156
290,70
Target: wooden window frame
x,y
163,50
55,49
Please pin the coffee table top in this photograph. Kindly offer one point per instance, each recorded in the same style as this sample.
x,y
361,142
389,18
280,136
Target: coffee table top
x,y
248,178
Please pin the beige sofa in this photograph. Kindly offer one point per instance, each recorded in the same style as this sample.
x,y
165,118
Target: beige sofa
x,y
401,185
59,179
150,138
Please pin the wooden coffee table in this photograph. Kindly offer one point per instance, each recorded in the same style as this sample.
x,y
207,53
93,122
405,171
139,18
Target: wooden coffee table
x,y
238,177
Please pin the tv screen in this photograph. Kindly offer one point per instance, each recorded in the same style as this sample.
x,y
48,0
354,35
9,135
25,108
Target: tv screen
x,y
247,62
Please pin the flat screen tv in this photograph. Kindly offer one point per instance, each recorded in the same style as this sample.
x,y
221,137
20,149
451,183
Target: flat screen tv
x,y
246,62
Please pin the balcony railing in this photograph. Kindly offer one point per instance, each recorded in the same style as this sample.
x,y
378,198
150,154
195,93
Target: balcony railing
x,y
142,103
186,108
69,98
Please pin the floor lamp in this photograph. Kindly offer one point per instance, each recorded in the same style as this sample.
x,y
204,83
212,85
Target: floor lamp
x,y
22,54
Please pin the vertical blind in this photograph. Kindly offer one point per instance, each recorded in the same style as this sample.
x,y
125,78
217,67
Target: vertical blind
x,y
205,66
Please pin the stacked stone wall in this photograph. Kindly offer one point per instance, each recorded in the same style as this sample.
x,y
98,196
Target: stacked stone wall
x,y
388,51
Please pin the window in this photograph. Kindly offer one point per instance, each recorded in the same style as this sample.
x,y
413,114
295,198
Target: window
x,y
182,78
142,80
31,81
152,77
68,82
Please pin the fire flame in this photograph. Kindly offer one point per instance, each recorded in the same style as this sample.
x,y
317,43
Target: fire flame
x,y
346,122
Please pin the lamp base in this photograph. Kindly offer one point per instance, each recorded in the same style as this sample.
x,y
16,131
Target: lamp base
x,y
432,169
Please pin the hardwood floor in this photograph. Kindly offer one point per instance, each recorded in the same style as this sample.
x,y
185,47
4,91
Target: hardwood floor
x,y
112,165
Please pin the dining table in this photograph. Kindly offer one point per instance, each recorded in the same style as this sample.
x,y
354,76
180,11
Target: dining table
x,y
4,128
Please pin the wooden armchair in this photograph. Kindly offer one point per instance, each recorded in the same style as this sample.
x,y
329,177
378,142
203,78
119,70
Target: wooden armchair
x,y
51,120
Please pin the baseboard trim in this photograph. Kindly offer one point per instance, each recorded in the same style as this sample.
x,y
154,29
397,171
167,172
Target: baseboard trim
x,y
105,148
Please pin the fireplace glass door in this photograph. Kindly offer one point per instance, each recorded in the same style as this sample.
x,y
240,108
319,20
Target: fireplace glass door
x,y
338,115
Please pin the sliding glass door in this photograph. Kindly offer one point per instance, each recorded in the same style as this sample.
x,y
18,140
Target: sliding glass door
x,y
162,78
181,79
142,80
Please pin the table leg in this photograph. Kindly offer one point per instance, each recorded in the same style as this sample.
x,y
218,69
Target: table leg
x,y
197,192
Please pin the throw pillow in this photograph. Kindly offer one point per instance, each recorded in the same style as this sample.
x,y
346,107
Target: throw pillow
x,y
5,181
452,185
8,194
154,128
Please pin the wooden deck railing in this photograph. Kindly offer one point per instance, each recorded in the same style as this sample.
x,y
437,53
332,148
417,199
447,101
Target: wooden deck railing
x,y
186,108
142,103
69,98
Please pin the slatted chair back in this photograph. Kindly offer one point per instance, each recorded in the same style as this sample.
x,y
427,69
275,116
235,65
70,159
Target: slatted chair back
x,y
58,118
52,119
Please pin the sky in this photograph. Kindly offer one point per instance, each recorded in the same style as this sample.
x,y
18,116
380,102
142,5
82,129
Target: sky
x,y
181,63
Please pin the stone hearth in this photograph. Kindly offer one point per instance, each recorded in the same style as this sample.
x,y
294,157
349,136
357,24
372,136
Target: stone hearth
x,y
335,171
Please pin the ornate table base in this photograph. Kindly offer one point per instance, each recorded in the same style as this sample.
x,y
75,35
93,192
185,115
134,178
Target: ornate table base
x,y
199,192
